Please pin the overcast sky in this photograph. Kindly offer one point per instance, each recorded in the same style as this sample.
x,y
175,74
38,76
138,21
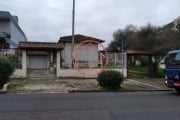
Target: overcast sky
x,y
47,20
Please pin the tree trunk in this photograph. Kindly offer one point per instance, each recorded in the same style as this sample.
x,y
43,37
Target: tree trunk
x,y
153,69
1,86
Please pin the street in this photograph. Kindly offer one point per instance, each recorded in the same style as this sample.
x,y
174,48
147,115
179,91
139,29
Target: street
x,y
91,106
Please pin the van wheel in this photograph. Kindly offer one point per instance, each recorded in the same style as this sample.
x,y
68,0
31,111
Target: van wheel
x,y
177,90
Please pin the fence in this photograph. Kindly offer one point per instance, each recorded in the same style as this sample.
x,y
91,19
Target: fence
x,y
14,55
114,59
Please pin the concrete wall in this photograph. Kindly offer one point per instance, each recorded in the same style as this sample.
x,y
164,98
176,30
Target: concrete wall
x,y
76,73
19,73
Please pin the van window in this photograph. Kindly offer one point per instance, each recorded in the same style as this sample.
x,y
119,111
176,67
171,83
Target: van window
x,y
173,58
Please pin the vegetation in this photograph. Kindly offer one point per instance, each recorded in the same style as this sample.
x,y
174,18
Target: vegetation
x,y
139,69
160,72
6,69
158,40
110,80
143,71
2,40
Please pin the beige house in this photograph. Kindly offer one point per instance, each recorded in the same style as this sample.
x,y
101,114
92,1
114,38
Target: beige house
x,y
85,52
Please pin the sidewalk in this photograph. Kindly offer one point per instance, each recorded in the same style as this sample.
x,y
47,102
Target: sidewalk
x,y
145,84
81,85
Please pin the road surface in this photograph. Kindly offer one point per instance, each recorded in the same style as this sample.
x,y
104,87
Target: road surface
x,y
91,106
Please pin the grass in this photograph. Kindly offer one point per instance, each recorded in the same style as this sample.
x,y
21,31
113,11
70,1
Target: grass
x,y
114,67
161,72
144,71
138,70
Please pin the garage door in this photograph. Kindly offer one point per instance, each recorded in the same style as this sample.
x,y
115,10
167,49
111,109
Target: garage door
x,y
38,61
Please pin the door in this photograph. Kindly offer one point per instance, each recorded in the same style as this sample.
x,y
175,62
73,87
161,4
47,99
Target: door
x,y
38,61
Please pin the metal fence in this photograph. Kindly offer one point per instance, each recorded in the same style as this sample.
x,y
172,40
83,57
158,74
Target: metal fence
x,y
114,59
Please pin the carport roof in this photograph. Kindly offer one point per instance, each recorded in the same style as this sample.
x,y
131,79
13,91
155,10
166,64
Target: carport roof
x,y
138,52
40,45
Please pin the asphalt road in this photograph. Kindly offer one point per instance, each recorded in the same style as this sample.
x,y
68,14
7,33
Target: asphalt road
x,y
91,106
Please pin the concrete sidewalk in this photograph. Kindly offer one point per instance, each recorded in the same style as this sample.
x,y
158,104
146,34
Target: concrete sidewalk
x,y
80,85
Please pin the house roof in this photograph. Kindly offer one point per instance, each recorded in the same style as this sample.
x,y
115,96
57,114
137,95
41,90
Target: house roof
x,y
6,16
40,45
78,38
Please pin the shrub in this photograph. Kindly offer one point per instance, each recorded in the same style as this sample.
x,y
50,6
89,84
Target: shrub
x,y
110,80
6,69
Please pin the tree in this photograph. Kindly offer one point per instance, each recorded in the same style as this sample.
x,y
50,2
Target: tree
x,y
158,40
148,39
6,69
2,40
119,35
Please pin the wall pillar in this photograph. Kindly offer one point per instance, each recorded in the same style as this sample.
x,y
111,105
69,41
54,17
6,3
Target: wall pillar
x,y
24,63
115,59
51,57
58,64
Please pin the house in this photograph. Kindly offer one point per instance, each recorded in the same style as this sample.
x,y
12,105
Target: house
x,y
52,57
85,53
10,30
174,25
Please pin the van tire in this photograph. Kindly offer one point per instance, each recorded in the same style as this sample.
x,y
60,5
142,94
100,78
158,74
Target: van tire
x,y
177,90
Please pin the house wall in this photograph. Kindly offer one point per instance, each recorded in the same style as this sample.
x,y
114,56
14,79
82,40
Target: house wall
x,y
88,55
86,52
16,35
21,72
66,55
5,26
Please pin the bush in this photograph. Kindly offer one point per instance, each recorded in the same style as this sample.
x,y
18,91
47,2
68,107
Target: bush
x,y
6,69
110,80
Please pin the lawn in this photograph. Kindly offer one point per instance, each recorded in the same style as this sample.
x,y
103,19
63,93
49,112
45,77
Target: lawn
x,y
143,71
139,70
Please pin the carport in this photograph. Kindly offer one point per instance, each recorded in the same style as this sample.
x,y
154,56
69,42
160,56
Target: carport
x,y
41,56
132,53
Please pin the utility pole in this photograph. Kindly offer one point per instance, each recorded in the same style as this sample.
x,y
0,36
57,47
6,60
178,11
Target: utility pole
x,y
73,19
124,56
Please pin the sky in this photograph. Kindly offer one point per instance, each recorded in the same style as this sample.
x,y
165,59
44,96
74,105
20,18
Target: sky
x,y
48,20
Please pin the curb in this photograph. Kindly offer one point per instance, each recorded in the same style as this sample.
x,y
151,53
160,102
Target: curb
x,y
4,89
88,91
